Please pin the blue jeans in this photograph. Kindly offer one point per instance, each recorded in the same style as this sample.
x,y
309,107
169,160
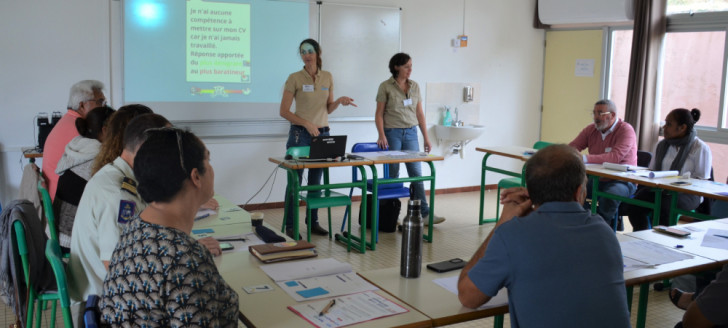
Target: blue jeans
x,y
298,136
608,207
406,139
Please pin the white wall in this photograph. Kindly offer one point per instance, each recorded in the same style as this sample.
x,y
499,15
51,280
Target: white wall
x,y
48,51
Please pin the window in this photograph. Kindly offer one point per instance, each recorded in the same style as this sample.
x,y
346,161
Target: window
x,y
695,6
692,74
621,49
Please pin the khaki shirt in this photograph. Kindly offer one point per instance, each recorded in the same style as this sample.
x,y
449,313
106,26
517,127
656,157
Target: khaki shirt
x,y
396,113
311,97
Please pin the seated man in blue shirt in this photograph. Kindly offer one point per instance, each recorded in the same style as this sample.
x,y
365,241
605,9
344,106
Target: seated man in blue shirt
x,y
561,264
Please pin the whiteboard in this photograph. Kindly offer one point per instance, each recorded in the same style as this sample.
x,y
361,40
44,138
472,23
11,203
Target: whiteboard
x,y
356,44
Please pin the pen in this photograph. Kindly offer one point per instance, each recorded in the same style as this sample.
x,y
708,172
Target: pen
x,y
722,236
202,216
231,239
327,307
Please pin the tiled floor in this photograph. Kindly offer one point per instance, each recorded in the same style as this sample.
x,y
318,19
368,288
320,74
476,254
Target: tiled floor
x,y
458,236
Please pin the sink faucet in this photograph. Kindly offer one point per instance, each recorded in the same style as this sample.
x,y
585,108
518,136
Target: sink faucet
x,y
457,121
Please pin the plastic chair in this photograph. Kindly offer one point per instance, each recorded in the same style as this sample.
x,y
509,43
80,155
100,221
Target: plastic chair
x,y
513,182
643,159
50,216
91,313
33,296
53,254
385,191
48,209
314,199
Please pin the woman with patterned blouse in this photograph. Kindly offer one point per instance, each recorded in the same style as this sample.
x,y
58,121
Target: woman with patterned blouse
x,y
159,276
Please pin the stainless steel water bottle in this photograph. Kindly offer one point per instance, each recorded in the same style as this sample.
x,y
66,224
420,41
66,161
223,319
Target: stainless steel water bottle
x,y
411,260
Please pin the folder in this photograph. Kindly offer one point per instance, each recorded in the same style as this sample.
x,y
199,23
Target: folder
x,y
283,251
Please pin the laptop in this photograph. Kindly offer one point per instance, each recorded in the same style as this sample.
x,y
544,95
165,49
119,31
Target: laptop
x,y
326,148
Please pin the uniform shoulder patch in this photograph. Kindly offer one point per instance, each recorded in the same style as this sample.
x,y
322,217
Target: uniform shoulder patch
x,y
126,211
129,185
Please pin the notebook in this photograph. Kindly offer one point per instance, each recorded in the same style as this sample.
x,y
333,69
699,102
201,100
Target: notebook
x,y
328,148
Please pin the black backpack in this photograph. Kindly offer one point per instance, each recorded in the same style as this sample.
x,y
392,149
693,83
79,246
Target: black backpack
x,y
388,214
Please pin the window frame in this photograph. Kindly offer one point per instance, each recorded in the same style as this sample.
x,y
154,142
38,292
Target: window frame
x,y
683,22
707,22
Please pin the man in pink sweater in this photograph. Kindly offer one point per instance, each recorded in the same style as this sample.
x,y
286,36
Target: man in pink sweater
x,y
610,140
83,97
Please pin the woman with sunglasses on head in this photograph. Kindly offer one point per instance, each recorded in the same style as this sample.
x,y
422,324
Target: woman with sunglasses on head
x,y
681,151
313,90
176,282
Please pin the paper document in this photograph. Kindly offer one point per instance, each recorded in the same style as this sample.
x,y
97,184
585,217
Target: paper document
x,y
622,167
640,254
305,269
325,286
716,238
658,174
348,310
451,284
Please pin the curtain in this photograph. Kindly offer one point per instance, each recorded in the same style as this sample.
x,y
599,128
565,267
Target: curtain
x,y
648,35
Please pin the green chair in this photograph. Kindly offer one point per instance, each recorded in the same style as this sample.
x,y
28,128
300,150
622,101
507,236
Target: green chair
x,y
53,254
513,182
48,209
50,216
33,296
314,199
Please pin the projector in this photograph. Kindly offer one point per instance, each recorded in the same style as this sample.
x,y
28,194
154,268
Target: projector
x,y
45,126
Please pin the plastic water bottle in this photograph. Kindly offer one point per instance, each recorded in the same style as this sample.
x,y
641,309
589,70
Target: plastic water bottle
x,y
412,226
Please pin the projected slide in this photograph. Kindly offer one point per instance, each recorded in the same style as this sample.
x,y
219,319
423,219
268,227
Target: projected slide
x,y
211,51
218,42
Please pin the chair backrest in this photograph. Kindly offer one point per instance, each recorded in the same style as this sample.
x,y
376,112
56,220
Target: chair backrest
x,y
365,147
644,158
298,151
48,210
541,144
368,147
92,314
22,247
53,254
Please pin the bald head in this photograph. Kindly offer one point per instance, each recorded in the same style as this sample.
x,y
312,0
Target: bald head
x,y
554,174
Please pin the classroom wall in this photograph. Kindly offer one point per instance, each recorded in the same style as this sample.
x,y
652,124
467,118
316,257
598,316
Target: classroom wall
x,y
51,50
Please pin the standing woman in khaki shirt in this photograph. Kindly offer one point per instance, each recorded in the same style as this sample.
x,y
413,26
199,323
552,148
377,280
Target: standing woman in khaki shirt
x,y
399,113
313,90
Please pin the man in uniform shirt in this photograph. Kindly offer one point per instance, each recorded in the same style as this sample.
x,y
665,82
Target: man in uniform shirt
x,y
109,201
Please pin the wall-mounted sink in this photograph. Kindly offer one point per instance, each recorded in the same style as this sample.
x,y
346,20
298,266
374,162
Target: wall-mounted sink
x,y
466,132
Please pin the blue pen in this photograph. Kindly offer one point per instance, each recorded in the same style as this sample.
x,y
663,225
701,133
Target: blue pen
x,y
202,216
722,236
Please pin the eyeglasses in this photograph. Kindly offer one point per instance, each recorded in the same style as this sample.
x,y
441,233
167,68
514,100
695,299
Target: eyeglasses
x,y
99,102
600,113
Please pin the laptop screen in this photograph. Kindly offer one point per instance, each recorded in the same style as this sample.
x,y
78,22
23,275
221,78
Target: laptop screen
x,y
327,147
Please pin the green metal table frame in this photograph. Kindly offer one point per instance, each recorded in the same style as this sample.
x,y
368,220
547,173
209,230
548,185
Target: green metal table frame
x,y
294,189
485,168
375,188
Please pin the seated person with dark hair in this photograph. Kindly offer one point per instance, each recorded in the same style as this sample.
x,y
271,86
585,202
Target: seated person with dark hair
x,y
681,151
74,170
561,264
707,308
175,179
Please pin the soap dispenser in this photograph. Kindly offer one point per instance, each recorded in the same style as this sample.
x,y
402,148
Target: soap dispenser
x,y
447,120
